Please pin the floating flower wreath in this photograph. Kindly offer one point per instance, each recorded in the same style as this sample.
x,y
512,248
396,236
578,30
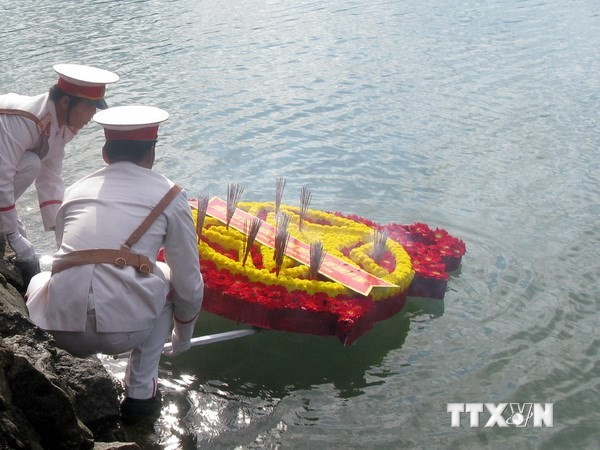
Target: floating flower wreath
x,y
416,261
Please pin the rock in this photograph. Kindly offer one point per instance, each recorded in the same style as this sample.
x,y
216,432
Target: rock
x,y
49,398
9,274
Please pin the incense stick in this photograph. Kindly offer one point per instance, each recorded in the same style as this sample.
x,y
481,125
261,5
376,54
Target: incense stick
x,y
250,231
282,237
316,258
305,198
282,222
279,187
234,192
281,242
202,208
379,242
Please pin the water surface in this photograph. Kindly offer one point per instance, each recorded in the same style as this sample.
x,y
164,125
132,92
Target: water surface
x,y
478,117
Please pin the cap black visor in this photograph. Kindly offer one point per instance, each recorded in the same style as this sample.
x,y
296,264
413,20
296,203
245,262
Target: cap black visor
x,y
101,104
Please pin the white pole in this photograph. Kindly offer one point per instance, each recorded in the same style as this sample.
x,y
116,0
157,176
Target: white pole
x,y
207,339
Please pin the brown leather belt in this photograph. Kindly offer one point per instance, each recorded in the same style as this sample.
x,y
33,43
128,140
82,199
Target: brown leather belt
x,y
124,256
121,258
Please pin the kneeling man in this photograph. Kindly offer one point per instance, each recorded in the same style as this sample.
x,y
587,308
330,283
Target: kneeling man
x,y
106,292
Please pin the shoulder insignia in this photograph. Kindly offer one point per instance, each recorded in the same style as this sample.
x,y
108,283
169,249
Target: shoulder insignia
x,y
43,124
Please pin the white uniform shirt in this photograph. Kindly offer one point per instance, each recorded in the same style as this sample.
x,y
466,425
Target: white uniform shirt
x,y
19,134
101,211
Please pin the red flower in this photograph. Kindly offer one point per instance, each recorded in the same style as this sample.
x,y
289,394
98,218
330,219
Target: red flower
x,y
421,233
388,262
256,256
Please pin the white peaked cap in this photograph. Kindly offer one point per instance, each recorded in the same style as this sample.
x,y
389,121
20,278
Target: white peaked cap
x,y
84,81
131,123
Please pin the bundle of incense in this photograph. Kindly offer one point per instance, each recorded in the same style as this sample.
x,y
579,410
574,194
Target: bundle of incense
x,y
281,242
234,192
316,258
305,198
282,222
279,187
202,208
379,242
282,237
250,231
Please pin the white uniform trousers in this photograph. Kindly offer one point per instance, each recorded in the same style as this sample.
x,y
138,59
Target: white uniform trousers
x,y
146,346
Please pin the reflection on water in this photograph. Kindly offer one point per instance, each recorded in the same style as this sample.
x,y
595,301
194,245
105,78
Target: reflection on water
x,y
215,390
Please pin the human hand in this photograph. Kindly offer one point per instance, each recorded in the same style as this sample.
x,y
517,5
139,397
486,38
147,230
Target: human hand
x,y
170,351
22,247
177,344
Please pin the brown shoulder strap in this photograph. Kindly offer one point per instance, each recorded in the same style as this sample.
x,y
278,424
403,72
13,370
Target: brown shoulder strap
x,y
31,116
157,211
40,124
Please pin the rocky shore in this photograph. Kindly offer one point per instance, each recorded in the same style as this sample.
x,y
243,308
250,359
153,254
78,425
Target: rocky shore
x,y
49,398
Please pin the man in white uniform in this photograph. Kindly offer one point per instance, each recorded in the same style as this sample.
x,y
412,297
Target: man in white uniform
x,y
106,292
33,135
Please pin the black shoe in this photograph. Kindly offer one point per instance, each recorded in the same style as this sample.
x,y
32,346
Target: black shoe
x,y
134,410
